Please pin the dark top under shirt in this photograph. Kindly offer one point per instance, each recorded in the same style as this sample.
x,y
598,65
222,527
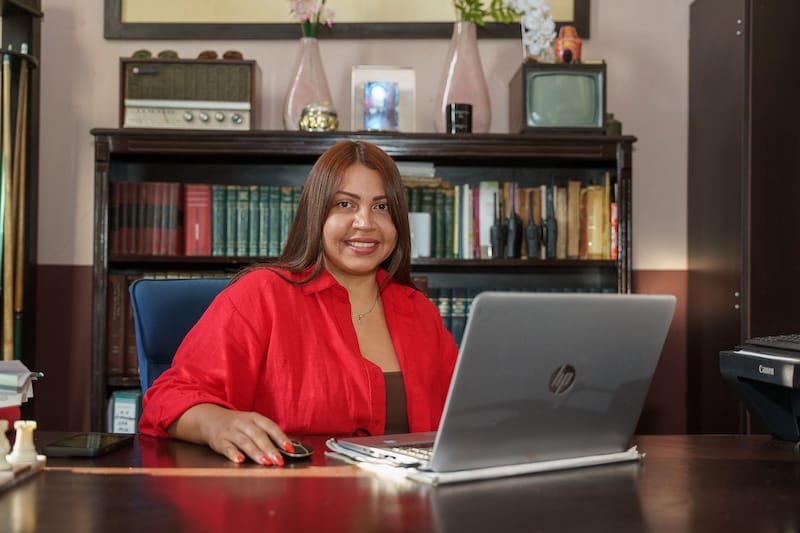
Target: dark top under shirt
x,y
396,414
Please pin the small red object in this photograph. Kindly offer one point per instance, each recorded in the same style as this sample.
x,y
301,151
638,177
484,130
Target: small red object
x,y
568,40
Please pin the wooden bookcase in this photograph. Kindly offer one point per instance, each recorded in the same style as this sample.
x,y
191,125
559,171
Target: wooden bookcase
x,y
284,158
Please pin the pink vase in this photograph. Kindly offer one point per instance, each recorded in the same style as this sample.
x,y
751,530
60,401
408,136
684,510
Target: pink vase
x,y
463,81
308,86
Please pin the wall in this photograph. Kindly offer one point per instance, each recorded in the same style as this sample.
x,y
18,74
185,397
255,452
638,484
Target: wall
x,y
643,41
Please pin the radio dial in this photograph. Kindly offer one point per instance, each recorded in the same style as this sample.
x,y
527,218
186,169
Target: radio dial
x,y
203,116
236,118
219,117
187,116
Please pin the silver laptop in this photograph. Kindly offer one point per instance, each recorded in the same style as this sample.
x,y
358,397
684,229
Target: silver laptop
x,y
539,377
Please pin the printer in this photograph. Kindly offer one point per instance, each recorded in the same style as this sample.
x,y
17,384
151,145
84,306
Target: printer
x,y
767,380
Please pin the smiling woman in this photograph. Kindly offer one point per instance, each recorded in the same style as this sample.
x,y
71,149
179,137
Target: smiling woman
x,y
271,19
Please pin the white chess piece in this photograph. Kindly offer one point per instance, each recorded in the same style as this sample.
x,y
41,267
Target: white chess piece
x,y
24,451
5,446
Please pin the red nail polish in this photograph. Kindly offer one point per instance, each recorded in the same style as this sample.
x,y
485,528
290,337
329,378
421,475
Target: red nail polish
x,y
265,461
288,446
240,458
277,459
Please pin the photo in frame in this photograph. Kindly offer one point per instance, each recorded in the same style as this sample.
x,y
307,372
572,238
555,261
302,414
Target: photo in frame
x,y
383,98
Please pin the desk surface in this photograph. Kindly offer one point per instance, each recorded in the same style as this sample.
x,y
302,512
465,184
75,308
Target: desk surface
x,y
686,483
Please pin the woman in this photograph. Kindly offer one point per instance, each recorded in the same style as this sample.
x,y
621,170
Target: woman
x,y
331,339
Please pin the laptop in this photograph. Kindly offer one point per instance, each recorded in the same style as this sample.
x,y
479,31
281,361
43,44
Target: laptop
x,y
540,378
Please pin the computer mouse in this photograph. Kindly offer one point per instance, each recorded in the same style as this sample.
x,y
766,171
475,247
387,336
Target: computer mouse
x,y
301,451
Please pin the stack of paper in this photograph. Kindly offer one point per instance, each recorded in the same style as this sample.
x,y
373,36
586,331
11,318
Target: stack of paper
x,y
16,383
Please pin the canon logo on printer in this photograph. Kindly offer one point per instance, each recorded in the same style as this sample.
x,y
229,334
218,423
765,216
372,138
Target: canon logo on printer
x,y
767,370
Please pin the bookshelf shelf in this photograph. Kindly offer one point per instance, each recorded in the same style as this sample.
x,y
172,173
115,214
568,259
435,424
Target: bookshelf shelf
x,y
280,158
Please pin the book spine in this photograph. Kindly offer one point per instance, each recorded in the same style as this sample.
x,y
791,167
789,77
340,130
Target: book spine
x,y
448,222
115,324
218,218
158,198
253,223
286,209
439,232
614,254
263,220
131,359
242,220
573,219
274,221
197,219
231,199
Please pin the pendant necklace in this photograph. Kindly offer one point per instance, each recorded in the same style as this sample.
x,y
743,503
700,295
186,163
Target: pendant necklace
x,y
359,316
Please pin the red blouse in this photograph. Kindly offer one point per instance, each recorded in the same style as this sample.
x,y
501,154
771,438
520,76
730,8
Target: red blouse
x,y
290,352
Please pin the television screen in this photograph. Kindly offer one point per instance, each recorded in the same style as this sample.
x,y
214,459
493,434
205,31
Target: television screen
x,y
563,98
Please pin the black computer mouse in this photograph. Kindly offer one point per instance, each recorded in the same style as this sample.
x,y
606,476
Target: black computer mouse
x,y
301,451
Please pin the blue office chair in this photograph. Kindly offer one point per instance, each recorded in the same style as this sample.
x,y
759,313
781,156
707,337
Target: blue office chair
x,y
164,310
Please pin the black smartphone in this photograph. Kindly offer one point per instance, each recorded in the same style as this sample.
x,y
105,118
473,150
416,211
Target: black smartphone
x,y
91,444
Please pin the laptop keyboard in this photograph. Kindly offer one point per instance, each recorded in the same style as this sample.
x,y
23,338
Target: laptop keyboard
x,y
783,342
417,452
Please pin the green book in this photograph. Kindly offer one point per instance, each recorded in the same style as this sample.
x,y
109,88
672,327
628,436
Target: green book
x,y
439,236
231,200
263,220
218,219
274,242
242,220
286,209
449,222
253,224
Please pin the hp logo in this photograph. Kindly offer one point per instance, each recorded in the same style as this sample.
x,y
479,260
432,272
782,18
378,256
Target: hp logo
x,y
561,379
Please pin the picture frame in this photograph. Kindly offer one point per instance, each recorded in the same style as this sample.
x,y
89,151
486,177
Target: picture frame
x,y
424,25
383,98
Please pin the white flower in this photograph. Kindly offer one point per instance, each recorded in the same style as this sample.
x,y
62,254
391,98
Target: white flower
x,y
538,28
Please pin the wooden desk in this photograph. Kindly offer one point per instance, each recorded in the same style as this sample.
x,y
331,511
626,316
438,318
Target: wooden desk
x,y
686,483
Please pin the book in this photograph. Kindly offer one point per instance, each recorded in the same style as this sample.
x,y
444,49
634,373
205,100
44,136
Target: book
x,y
125,409
173,220
286,210
197,219
242,221
573,219
253,223
274,221
488,213
231,218
131,354
115,325
595,221
219,205
561,222
263,220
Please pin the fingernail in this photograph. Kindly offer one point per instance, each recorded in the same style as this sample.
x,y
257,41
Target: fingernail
x,y
277,459
240,458
288,446
265,461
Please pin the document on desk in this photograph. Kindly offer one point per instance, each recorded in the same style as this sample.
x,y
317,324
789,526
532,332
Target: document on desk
x,y
388,468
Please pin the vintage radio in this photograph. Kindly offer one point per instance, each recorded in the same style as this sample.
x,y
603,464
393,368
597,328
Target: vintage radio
x,y
212,94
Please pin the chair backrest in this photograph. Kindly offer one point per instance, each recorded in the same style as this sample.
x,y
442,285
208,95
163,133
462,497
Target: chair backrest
x,y
164,310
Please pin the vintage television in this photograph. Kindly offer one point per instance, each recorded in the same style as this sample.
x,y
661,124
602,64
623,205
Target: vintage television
x,y
558,98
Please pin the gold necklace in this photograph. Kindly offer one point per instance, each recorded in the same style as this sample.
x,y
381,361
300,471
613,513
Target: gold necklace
x,y
359,316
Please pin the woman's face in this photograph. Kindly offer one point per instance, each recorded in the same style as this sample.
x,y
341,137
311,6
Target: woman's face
x,y
358,234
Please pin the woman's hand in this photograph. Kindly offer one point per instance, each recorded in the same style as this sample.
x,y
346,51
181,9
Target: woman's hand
x,y
234,434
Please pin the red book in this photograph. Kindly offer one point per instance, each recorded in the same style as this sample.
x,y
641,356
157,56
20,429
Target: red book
x,y
197,218
11,414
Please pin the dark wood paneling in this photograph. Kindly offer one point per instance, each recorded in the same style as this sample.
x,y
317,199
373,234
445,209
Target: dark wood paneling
x,y
665,410
63,347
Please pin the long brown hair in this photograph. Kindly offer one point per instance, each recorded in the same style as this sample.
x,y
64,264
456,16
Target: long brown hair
x,y
304,243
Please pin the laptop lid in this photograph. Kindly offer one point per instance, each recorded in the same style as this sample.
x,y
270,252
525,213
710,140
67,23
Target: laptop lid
x,y
543,376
